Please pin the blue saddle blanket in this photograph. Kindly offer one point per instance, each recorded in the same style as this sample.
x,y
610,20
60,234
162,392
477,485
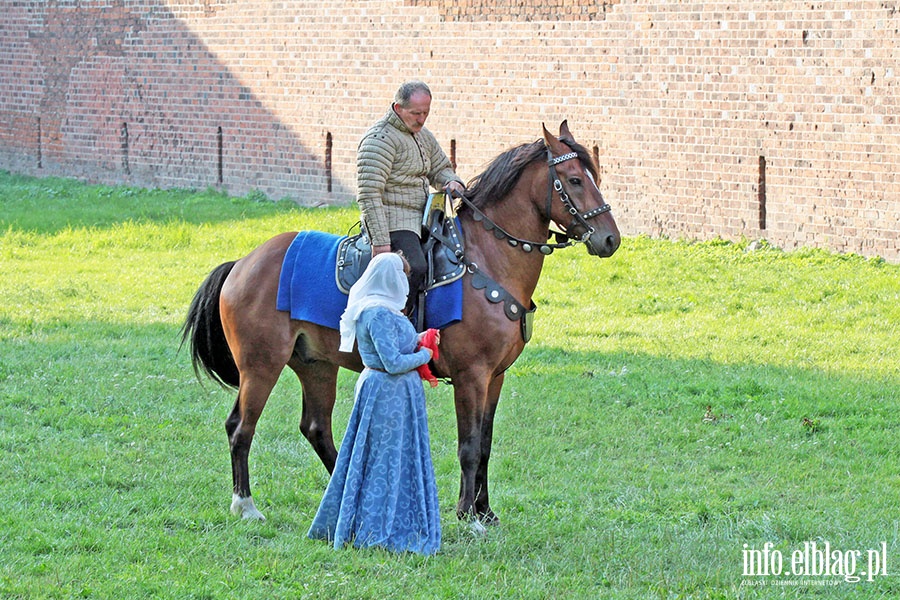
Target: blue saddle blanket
x,y
307,287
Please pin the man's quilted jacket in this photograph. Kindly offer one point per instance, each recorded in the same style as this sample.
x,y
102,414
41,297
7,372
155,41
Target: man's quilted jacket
x,y
394,170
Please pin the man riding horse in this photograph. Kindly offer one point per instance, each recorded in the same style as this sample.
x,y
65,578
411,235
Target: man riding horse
x,y
397,159
240,337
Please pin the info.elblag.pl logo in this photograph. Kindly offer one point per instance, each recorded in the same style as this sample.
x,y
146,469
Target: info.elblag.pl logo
x,y
815,560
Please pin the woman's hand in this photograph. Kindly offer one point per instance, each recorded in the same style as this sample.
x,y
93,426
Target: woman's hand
x,y
437,342
437,337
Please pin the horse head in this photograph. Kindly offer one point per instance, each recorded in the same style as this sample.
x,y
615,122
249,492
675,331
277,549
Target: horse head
x,y
574,202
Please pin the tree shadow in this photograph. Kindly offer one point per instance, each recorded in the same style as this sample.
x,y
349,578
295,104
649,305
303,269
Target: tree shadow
x,y
128,93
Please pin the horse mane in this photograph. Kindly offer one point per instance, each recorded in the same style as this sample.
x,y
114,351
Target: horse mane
x,y
502,174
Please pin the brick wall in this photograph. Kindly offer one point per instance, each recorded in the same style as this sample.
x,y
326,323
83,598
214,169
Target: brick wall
x,y
764,119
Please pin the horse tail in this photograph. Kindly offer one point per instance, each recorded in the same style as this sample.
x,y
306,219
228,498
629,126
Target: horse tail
x,y
203,326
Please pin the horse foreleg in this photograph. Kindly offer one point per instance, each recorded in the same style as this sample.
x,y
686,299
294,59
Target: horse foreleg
x,y
470,396
319,382
482,502
240,427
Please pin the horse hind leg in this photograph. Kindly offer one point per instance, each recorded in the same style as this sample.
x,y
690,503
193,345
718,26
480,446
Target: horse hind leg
x,y
319,382
240,427
243,507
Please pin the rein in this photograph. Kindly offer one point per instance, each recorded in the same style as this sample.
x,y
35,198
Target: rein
x,y
500,233
493,291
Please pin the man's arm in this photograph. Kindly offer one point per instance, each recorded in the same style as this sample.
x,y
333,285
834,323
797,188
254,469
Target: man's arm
x,y
374,158
442,175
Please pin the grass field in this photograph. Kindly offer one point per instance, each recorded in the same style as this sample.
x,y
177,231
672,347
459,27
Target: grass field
x,y
680,407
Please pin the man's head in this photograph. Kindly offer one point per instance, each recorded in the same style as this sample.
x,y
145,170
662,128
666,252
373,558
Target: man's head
x,y
412,103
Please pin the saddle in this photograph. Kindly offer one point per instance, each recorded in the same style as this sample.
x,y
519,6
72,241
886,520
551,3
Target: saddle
x,y
442,244
444,251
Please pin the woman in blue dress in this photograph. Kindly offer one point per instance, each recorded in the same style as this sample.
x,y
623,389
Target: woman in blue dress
x,y
382,491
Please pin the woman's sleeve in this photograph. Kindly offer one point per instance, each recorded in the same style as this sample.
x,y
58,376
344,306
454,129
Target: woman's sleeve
x,y
384,329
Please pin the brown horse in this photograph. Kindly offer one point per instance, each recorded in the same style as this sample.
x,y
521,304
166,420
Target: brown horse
x,y
239,338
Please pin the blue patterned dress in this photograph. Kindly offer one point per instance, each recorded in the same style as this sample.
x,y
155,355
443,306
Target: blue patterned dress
x,y
382,491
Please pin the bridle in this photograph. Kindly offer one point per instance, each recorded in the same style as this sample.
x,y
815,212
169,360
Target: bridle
x,y
496,293
578,217
553,184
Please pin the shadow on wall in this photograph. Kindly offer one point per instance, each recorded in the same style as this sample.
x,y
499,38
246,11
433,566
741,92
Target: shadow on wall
x,y
128,94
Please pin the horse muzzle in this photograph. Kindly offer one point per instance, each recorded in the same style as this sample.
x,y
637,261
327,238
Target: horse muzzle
x,y
603,244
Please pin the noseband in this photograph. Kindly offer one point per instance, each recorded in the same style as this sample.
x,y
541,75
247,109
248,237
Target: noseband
x,y
554,183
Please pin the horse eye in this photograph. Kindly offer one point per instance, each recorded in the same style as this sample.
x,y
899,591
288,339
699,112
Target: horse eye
x,y
575,180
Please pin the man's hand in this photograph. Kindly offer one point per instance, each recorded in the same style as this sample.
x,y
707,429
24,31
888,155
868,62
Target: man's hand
x,y
455,188
376,250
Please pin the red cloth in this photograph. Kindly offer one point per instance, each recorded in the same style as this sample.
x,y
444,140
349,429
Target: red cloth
x,y
429,340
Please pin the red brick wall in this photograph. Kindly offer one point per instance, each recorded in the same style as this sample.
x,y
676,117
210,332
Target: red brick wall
x,y
684,101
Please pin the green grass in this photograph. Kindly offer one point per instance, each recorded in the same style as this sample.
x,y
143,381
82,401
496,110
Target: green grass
x,y
608,479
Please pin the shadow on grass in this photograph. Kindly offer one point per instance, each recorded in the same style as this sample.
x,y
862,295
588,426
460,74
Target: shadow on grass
x,y
91,362
92,379
602,460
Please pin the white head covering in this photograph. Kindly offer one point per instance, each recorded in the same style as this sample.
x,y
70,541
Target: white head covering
x,y
383,283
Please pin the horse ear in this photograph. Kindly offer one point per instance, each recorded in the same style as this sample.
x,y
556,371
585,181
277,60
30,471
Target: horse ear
x,y
548,137
564,130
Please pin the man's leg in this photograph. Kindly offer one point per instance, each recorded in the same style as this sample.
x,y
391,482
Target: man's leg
x,y
411,245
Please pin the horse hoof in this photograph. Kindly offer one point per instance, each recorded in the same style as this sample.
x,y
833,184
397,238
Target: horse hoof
x,y
477,527
489,519
245,508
